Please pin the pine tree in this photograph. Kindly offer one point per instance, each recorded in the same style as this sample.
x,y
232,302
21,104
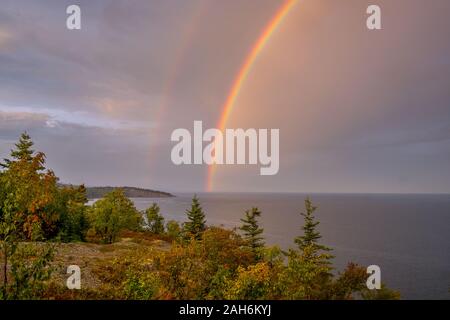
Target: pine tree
x,y
155,220
22,152
252,231
308,243
308,273
196,220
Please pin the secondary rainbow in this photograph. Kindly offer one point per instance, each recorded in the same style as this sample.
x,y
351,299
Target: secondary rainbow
x,y
244,71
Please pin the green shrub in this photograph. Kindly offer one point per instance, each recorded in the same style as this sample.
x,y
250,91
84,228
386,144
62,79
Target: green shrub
x,y
112,214
155,220
173,230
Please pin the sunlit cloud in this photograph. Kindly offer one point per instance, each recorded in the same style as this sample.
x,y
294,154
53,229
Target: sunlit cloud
x,y
56,117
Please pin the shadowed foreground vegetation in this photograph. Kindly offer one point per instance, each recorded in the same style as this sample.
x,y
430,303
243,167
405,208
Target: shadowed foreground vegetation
x,y
127,254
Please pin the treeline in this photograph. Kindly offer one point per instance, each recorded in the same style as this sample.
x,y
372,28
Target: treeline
x,y
130,192
203,262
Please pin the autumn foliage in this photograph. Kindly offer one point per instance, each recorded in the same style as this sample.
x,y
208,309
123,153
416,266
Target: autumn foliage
x,y
198,262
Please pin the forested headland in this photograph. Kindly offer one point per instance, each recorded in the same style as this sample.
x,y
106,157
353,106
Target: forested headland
x,y
130,192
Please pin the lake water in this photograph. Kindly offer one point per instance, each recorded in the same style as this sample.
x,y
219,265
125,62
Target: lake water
x,y
408,236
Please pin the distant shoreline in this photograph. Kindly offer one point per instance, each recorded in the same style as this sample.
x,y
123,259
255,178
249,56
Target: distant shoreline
x,y
130,192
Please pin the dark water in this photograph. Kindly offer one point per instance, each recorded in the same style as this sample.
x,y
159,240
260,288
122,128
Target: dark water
x,y
408,236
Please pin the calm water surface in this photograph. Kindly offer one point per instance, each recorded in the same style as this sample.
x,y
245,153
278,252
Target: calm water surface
x,y
408,236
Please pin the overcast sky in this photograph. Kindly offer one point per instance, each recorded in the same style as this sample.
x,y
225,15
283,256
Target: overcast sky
x,y
358,110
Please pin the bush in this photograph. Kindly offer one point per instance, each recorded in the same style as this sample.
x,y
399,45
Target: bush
x,y
251,283
141,286
382,294
173,230
29,269
194,270
112,214
155,220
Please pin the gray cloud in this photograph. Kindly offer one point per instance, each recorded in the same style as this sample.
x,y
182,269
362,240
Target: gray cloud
x,y
358,111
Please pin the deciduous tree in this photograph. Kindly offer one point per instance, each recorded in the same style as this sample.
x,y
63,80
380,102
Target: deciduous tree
x,y
155,220
112,214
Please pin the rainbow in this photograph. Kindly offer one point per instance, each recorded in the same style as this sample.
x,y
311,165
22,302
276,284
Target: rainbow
x,y
244,72
189,32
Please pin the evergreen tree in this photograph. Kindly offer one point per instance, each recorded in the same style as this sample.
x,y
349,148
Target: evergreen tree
x,y
29,192
309,241
308,274
22,152
196,220
26,193
155,220
252,231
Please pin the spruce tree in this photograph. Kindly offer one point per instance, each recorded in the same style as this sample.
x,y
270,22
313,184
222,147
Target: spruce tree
x,y
22,152
252,231
308,273
308,243
196,220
